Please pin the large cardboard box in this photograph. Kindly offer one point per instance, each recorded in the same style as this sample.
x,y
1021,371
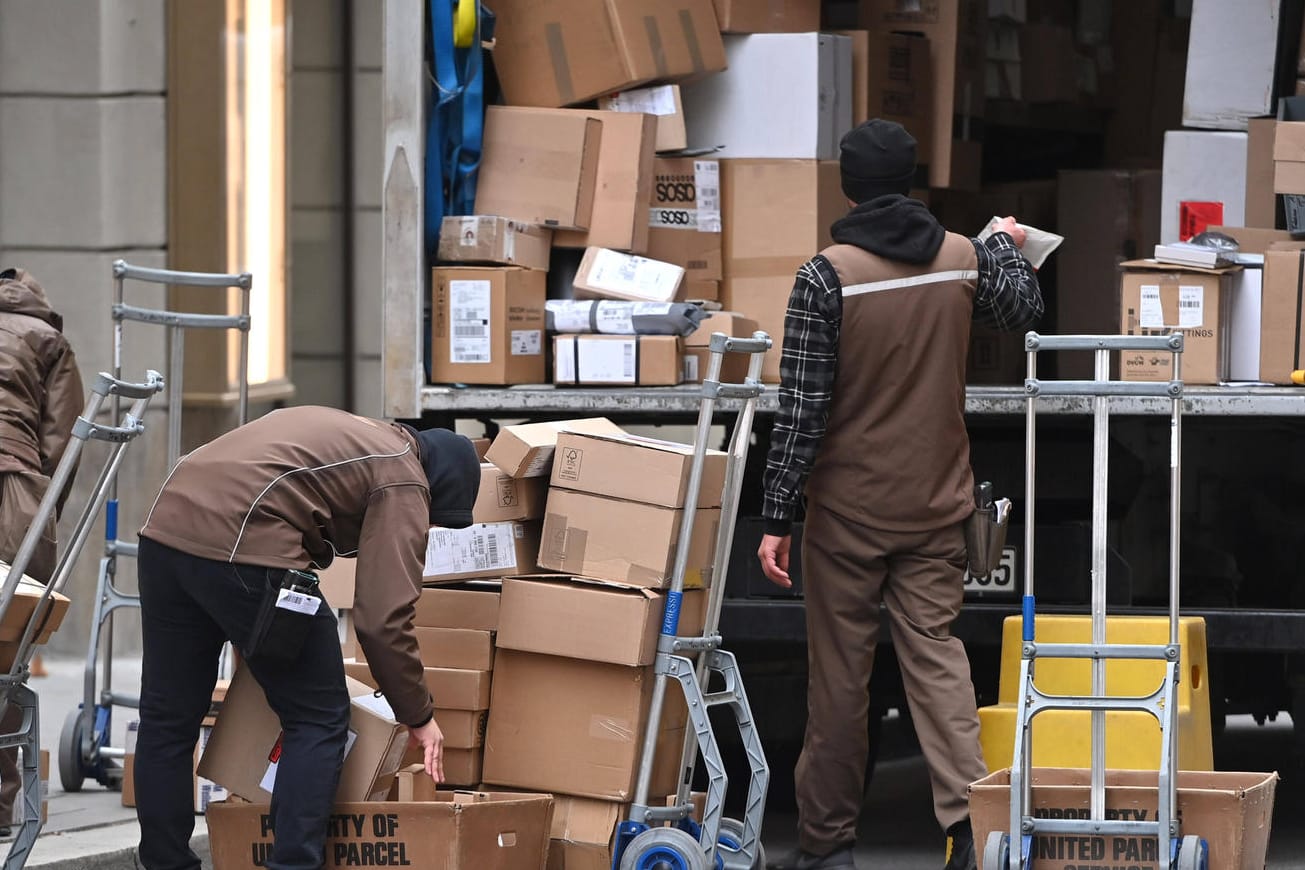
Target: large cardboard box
x,y
601,464
526,449
892,79
664,101
576,727
487,325
608,274
494,240
1230,64
502,498
1289,157
589,535
625,165
1232,811
1282,322
564,52
587,619
471,606
768,16
1157,299
1261,204
480,550
776,215
539,166
245,745
460,648
784,95
617,360
451,830
684,219
1204,182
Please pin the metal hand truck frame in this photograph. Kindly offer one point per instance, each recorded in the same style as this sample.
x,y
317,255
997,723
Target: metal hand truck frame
x,y
642,840
85,744
1182,852
13,685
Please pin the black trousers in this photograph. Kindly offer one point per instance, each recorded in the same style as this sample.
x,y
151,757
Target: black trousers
x,y
189,607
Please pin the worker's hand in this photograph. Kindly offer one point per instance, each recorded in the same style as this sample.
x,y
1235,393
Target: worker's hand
x,y
431,739
1008,226
773,554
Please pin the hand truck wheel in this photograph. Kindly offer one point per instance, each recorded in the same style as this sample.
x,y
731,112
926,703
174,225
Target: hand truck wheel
x,y
729,842
663,849
1193,854
996,852
71,771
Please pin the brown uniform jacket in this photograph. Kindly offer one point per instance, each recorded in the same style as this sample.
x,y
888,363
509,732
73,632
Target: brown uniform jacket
x,y
297,487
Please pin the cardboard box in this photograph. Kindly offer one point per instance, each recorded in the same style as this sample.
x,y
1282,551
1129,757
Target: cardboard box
x,y
563,52
576,727
526,449
684,219
734,367
1233,811
730,323
455,688
891,79
1049,71
1260,201
502,498
768,16
539,166
601,464
1245,313
588,619
464,767
461,648
1157,299
661,100
480,550
245,744
487,325
22,608
1230,64
589,535
449,829
584,833
625,165
494,240
205,791
1281,318
698,291
616,360
1253,240
784,95
475,609
1201,166
336,582
1289,157
607,274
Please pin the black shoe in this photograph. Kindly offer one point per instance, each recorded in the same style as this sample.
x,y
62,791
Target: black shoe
x,y
960,847
839,859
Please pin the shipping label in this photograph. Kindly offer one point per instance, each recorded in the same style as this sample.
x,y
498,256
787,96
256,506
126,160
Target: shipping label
x,y
527,342
483,547
614,318
1191,306
1151,315
706,181
469,315
607,361
650,101
635,276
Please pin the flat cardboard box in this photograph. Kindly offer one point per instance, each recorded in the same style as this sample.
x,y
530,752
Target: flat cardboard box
x,y
475,608
625,165
589,535
526,449
768,16
784,95
617,360
608,274
576,727
660,100
502,498
451,830
684,219
601,464
587,619
1201,166
495,240
23,607
1230,64
487,325
564,52
539,166
892,79
243,749
480,550
1281,318
1232,811
1157,299
462,648
1260,201
452,688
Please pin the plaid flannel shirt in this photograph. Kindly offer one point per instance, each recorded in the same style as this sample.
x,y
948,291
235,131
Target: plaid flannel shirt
x,y
1007,297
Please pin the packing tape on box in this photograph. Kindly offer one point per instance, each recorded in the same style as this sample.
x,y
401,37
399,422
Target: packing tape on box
x,y
655,47
691,41
565,546
561,64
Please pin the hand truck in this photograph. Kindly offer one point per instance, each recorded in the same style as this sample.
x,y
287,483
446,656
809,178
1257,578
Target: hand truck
x,y
1012,849
644,840
13,685
85,744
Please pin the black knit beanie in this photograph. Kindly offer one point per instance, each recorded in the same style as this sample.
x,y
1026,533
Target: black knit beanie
x,y
876,159
453,472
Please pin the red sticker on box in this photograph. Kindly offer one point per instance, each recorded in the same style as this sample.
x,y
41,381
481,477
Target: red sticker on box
x,y
1195,217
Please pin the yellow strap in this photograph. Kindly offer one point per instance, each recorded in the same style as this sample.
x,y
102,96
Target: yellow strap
x,y
464,24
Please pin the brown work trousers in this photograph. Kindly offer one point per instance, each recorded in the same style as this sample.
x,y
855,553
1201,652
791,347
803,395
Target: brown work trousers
x,y
849,570
20,496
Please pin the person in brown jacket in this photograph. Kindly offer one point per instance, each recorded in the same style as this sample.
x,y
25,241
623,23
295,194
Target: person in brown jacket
x,y
40,398
235,520
872,410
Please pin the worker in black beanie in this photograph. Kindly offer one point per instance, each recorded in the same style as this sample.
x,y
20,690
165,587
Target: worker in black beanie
x,y
871,428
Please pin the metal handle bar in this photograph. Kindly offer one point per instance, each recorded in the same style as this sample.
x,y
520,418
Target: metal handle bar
x,y
123,269
1034,341
107,385
722,343
183,319
1159,389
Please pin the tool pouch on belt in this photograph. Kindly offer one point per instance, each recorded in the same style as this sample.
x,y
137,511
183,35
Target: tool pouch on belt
x,y
284,616
985,531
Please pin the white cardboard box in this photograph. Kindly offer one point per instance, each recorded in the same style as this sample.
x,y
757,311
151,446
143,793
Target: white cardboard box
x,y
1202,166
1244,324
1230,62
784,95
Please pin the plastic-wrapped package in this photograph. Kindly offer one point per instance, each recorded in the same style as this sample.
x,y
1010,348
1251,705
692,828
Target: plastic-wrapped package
x,y
615,317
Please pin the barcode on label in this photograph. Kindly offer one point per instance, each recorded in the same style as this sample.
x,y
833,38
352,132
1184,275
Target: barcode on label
x,y
627,360
470,330
491,549
1189,303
